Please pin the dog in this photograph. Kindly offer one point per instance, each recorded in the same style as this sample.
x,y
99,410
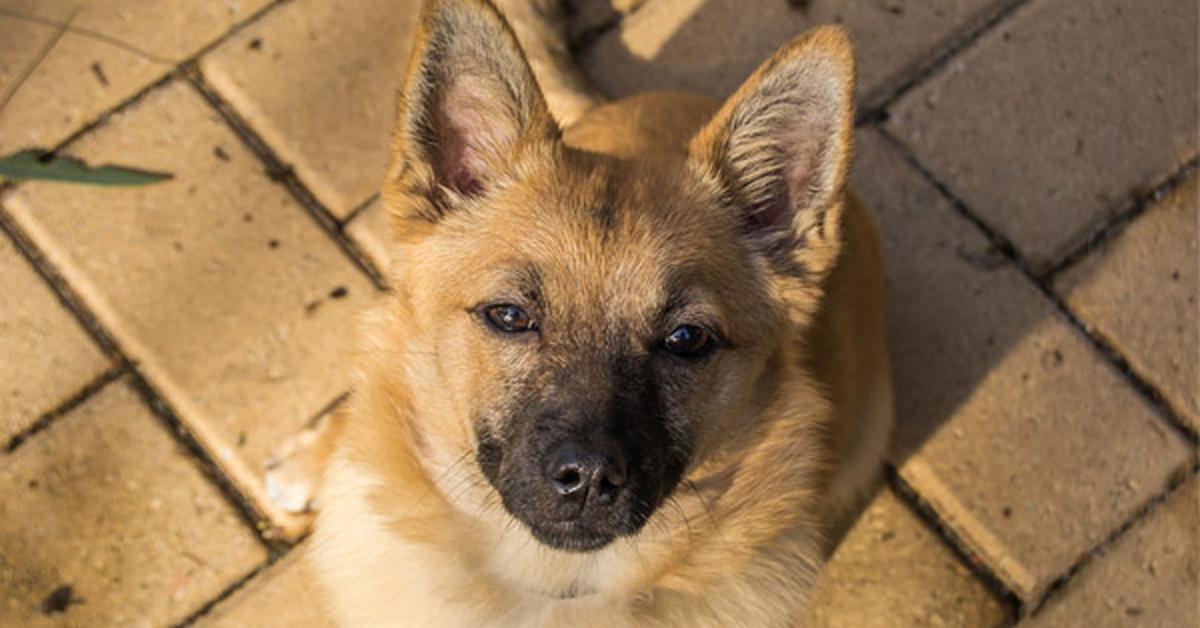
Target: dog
x,y
633,369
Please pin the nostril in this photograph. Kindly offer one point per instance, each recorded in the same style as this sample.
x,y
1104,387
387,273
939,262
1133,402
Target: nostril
x,y
568,480
612,475
608,481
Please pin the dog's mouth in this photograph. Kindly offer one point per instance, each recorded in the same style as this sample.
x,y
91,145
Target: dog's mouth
x,y
570,536
583,529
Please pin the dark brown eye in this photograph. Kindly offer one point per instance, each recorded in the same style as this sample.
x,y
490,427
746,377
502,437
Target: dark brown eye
x,y
508,318
688,341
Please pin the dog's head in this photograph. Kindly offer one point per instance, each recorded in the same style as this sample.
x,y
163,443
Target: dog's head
x,y
588,328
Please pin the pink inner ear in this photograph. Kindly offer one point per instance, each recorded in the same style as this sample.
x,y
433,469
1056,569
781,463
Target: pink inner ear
x,y
799,171
793,191
459,166
469,136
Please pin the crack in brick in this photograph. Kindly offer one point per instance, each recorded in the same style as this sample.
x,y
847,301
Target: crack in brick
x,y
87,32
275,557
171,73
72,402
937,60
1115,226
63,291
961,549
252,516
32,66
978,540
360,209
1176,483
229,591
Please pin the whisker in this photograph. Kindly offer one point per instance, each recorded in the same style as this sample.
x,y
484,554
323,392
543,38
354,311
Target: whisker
x,y
683,514
456,489
707,510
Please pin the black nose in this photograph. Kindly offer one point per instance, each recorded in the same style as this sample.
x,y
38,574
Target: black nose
x,y
592,472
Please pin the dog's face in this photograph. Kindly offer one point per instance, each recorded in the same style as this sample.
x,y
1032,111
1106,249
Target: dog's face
x,y
595,323
587,328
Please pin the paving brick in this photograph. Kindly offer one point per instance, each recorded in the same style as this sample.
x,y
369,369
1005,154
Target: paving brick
x,y
1059,115
318,80
112,51
283,596
104,502
1139,292
167,29
63,93
47,356
1149,577
1027,443
19,47
228,295
371,231
890,570
711,46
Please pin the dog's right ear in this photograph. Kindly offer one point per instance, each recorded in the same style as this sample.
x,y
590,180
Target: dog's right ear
x,y
469,104
779,150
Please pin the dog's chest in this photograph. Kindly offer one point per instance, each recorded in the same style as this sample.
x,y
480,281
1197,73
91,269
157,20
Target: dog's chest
x,y
381,579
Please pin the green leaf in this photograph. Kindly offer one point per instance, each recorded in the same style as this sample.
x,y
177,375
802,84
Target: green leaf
x,y
33,164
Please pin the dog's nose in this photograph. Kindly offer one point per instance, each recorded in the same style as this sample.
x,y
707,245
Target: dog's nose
x,y
588,472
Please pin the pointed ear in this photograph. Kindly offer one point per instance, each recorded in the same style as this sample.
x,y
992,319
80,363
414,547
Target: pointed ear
x,y
469,104
779,149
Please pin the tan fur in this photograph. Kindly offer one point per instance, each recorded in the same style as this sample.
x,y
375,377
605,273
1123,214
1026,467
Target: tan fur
x,y
792,422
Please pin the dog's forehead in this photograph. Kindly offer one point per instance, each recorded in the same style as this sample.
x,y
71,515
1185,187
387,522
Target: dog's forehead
x,y
617,231
613,244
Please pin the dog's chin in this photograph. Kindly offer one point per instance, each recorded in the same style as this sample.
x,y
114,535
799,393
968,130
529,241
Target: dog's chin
x,y
570,536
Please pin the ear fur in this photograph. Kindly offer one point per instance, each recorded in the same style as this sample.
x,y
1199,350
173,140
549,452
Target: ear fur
x,y
469,103
780,147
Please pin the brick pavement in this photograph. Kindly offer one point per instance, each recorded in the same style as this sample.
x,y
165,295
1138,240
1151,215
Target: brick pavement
x,y
1032,165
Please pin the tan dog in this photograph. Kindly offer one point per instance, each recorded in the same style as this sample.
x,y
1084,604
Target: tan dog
x,y
633,372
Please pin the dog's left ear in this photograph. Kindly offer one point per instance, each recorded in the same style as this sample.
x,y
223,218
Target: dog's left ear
x,y
469,104
779,149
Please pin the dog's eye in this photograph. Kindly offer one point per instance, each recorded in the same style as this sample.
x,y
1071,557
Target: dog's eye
x,y
688,341
508,318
